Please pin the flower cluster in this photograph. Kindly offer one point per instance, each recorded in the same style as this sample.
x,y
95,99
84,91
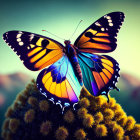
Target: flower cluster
x,y
33,117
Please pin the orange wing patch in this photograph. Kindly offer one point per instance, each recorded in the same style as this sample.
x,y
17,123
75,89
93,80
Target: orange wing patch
x,y
108,62
48,59
36,51
100,73
37,56
95,46
104,77
58,89
102,40
107,73
93,41
100,37
99,81
59,82
64,90
43,56
102,34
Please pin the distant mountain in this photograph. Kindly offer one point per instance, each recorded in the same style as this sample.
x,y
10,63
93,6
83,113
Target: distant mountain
x,y
128,84
130,80
10,86
2,99
133,85
10,82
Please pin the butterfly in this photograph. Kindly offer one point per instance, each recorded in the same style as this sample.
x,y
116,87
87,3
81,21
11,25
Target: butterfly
x,y
66,69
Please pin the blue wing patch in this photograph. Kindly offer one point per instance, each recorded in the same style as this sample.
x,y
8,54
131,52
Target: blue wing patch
x,y
59,83
100,73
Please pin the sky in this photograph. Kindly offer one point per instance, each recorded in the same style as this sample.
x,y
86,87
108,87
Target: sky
x,y
61,17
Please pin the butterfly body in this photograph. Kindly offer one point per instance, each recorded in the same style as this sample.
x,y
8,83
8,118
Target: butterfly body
x,y
72,55
67,68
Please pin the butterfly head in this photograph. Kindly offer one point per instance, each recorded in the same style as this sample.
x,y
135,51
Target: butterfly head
x,y
67,42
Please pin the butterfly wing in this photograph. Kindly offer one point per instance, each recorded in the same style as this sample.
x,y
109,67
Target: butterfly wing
x,y
100,37
59,83
100,73
34,50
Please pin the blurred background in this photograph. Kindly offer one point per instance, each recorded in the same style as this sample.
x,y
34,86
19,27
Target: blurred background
x,y
61,18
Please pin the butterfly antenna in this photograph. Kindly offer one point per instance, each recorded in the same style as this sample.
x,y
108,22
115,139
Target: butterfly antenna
x,y
76,29
53,34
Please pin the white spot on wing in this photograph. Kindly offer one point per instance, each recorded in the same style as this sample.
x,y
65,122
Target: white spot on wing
x,y
102,29
108,17
109,20
31,36
21,43
97,23
110,24
18,39
19,35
